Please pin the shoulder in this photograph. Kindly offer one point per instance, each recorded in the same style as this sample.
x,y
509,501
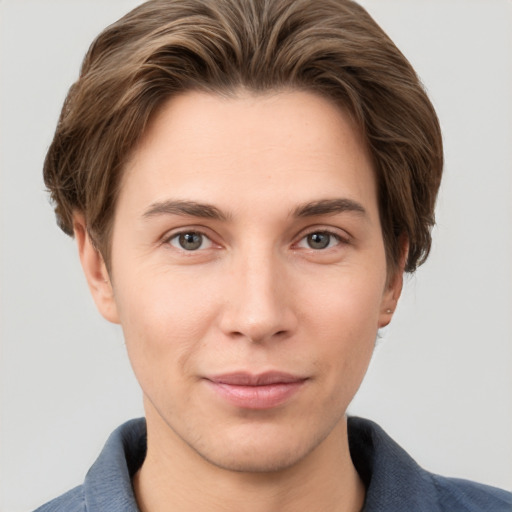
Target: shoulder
x,y
107,485
72,501
395,482
463,495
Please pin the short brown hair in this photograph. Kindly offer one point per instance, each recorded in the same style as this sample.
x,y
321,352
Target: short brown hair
x,y
330,47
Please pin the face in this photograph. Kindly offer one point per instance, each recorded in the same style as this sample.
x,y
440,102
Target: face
x,y
248,274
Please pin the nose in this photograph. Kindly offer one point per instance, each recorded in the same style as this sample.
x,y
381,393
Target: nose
x,y
258,305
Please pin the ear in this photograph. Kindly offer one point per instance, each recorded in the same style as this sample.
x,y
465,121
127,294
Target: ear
x,y
95,271
393,288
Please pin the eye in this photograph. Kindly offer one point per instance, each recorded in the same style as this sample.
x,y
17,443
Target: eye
x,y
190,241
319,240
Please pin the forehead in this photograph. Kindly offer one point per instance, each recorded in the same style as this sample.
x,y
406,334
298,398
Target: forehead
x,y
294,144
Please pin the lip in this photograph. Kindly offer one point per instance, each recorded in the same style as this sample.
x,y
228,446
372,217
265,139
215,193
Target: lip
x,y
256,391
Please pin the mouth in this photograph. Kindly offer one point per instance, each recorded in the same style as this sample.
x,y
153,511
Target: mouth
x,y
256,391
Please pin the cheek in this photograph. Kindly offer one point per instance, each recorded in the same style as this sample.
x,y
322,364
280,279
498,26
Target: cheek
x,y
164,322
343,325
347,302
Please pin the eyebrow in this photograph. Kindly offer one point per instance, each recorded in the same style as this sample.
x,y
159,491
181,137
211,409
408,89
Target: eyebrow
x,y
207,211
329,207
185,208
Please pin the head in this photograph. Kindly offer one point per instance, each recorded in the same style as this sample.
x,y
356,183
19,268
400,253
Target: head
x,y
332,48
247,182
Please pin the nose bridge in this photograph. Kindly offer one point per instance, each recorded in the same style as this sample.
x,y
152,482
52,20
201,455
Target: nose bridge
x,y
258,307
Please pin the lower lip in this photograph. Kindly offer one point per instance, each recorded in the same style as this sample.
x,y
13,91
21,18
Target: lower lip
x,y
257,397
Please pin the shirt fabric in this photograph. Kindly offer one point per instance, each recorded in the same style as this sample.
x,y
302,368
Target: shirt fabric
x,y
394,482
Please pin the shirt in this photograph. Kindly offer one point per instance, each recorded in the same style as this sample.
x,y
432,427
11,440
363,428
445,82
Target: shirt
x,y
394,481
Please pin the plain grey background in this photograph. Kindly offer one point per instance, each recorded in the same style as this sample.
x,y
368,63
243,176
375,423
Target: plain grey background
x,y
440,382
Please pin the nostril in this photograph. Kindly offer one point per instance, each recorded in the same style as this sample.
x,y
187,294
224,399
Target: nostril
x,y
258,337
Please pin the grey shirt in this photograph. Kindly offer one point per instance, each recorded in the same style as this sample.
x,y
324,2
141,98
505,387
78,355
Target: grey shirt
x,y
394,482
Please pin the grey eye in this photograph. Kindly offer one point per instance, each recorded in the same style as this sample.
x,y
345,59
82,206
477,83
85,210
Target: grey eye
x,y
320,240
190,241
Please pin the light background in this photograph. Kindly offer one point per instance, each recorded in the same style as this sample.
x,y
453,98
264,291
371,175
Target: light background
x,y
440,382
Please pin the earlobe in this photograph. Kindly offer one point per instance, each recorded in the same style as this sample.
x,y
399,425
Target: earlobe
x,y
393,287
390,298
95,270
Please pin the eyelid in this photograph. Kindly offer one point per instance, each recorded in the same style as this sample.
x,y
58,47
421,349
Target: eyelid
x,y
206,243
338,233
176,232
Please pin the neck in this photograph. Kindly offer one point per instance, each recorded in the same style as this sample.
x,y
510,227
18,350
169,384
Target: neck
x,y
175,478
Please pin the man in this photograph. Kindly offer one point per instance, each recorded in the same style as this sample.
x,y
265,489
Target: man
x,y
247,183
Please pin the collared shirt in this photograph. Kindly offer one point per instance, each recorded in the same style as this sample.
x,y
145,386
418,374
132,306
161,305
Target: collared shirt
x,y
394,482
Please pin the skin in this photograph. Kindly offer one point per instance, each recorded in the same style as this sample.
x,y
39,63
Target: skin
x,y
255,296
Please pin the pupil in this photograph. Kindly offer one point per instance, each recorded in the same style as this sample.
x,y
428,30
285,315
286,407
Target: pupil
x,y
318,240
190,241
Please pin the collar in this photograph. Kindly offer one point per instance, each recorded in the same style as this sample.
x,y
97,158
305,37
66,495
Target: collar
x,y
108,483
393,480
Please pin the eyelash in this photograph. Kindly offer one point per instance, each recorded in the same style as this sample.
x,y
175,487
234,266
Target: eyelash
x,y
340,240
176,236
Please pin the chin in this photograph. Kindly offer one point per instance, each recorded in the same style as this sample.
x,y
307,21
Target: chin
x,y
258,460
260,450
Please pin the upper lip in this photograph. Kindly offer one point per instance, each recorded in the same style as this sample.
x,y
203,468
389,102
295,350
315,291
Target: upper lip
x,y
251,379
